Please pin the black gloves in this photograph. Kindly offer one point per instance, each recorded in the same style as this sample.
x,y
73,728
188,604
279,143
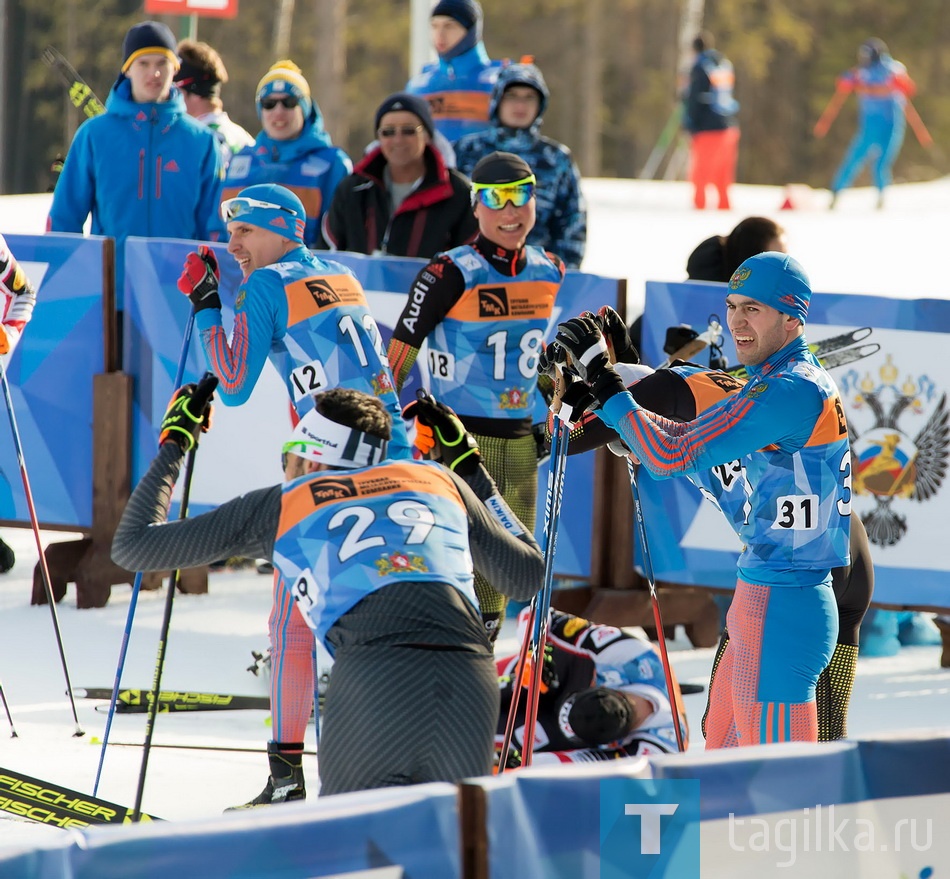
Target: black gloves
x,y
457,448
199,279
189,413
551,357
616,333
582,339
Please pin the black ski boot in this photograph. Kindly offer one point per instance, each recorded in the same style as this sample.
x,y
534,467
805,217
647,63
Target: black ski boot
x,y
7,558
286,781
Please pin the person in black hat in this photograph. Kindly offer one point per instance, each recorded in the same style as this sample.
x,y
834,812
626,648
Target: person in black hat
x,y
484,310
160,178
458,86
200,77
401,199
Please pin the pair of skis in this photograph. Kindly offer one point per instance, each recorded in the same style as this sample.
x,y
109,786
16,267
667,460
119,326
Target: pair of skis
x,y
135,701
832,352
45,802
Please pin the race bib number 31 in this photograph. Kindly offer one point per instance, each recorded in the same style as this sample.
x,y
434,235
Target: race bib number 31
x,y
797,512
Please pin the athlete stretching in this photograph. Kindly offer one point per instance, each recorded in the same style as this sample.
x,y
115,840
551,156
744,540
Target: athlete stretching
x,y
786,428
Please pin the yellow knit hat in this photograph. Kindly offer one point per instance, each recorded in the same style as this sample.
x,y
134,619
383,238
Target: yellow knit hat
x,y
285,78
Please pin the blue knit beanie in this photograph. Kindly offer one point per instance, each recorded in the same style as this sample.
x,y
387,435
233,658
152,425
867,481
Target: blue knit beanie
x,y
287,218
775,279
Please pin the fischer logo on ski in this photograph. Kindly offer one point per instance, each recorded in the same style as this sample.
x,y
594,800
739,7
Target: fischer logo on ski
x,y
48,803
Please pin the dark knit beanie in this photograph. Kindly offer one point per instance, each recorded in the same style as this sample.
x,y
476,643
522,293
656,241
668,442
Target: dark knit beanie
x,y
419,107
601,715
499,167
147,38
466,12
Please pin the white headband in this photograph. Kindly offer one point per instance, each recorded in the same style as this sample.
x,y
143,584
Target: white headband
x,y
319,439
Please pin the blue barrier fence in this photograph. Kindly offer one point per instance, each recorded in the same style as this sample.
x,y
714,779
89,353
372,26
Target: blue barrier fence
x,y
871,808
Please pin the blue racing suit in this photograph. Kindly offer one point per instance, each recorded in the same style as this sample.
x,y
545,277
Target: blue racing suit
x,y
882,89
789,498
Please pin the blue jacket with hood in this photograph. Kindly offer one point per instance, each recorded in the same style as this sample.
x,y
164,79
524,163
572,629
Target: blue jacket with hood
x,y
309,165
140,169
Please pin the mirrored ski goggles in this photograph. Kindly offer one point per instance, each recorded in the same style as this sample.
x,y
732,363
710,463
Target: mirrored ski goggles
x,y
240,206
495,196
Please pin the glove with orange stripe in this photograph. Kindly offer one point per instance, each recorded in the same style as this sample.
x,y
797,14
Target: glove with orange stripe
x,y
444,437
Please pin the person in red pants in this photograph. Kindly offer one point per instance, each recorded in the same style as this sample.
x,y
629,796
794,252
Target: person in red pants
x,y
709,115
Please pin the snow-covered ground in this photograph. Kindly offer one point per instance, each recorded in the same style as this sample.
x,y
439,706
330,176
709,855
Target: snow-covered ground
x,y
638,230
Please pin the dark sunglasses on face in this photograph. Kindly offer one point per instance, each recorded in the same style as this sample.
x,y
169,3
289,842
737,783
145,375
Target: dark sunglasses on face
x,y
288,103
404,130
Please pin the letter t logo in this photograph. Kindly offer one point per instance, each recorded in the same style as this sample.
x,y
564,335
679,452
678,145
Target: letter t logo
x,y
650,814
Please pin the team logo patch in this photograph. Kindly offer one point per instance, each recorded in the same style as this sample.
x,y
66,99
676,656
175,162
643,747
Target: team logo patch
x,y
513,399
382,383
400,563
492,302
240,298
332,489
321,291
739,277
895,460
757,390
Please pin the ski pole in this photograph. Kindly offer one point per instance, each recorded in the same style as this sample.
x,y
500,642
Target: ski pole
x,y
137,584
163,634
559,443
44,569
657,618
830,113
917,126
6,708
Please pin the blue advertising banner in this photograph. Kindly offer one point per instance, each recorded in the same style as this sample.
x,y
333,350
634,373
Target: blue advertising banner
x,y
395,833
50,377
879,351
240,453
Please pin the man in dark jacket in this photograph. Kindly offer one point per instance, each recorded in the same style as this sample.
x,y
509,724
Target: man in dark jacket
x,y
401,199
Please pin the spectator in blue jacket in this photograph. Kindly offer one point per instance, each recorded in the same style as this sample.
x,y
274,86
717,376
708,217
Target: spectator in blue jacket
x,y
458,86
144,167
518,102
293,149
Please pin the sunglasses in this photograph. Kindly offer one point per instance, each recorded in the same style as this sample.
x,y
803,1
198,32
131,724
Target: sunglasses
x,y
292,447
495,196
287,103
234,208
404,130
